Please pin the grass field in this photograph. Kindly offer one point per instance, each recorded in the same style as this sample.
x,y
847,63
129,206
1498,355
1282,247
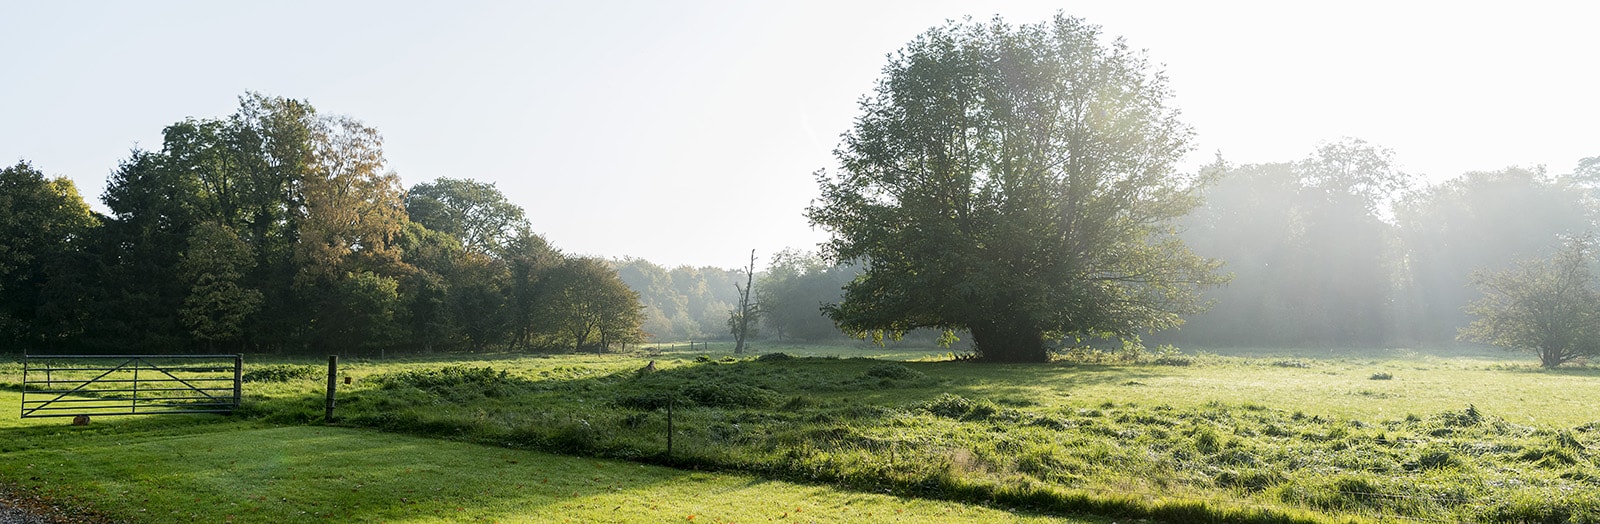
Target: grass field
x,y
217,469
1261,435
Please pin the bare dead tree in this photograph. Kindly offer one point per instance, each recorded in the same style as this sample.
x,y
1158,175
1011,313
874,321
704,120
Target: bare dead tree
x,y
739,320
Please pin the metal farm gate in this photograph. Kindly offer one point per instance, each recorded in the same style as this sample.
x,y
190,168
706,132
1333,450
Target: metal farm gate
x,y
103,385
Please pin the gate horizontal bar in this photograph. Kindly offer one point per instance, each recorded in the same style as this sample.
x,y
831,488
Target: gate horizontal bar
x,y
110,384
184,357
213,398
185,412
126,380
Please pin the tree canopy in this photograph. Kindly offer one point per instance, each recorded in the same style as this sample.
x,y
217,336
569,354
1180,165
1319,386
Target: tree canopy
x,y
281,229
1545,306
1018,183
475,213
43,222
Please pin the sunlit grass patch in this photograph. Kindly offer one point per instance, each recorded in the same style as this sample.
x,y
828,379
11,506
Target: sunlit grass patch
x,y
212,469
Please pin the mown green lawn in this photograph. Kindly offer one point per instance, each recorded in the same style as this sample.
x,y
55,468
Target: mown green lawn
x,y
216,469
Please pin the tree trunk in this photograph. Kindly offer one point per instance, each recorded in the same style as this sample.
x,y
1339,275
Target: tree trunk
x,y
1550,358
1002,342
742,330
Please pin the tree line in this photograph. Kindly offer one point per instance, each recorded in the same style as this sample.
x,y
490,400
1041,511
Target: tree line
x,y
1338,249
1342,249
1013,185
1017,184
280,229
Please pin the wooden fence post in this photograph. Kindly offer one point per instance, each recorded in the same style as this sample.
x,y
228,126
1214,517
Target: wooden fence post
x,y
238,380
333,373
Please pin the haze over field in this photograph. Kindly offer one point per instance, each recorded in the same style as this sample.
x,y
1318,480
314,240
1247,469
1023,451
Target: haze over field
x,y
687,132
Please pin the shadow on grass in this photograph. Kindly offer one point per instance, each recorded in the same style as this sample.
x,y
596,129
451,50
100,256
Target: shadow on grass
x,y
817,420
242,471
1563,371
299,473
796,419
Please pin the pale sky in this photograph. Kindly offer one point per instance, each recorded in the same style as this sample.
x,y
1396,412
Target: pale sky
x,y
687,132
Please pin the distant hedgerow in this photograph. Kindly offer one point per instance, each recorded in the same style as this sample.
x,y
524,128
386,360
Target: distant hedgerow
x,y
456,381
281,373
708,393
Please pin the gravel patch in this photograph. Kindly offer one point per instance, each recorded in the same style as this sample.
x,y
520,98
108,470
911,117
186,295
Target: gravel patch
x,y
12,515
18,506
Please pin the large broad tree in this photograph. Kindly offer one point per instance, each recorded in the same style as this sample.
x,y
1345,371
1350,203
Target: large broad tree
x,y
1016,182
1548,307
592,306
475,213
42,220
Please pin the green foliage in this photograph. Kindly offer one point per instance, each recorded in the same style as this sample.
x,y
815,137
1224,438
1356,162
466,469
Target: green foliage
x,y
476,214
282,373
1547,307
281,229
792,292
217,306
1481,221
456,381
730,395
43,222
1309,245
948,405
893,372
1132,351
592,307
967,191
683,303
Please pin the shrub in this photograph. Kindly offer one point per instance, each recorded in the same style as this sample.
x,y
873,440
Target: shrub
x,y
455,381
949,405
894,372
574,436
1173,360
282,373
1382,375
774,357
